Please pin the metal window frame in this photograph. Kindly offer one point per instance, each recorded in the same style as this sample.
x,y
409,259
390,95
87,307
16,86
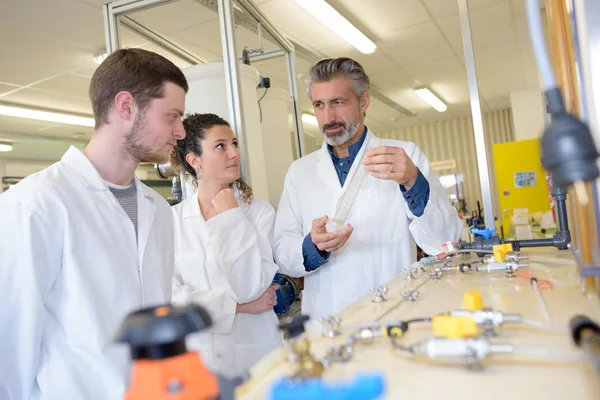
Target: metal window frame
x,y
290,54
480,147
115,14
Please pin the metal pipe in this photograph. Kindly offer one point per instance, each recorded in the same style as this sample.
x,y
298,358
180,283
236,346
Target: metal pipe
x,y
482,161
233,83
260,36
127,6
111,29
266,24
112,12
541,300
160,41
297,112
267,55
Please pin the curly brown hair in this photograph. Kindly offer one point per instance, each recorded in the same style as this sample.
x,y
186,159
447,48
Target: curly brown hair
x,y
196,126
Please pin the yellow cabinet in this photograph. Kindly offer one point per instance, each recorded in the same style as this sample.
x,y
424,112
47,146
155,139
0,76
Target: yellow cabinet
x,y
521,179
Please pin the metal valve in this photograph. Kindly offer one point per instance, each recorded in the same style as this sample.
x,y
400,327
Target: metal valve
x,y
436,273
512,266
379,292
516,257
340,354
333,326
411,295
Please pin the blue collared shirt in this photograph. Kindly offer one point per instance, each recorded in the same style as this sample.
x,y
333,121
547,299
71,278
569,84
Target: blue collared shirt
x,y
416,198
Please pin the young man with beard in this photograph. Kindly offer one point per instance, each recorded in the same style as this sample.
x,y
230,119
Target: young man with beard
x,y
399,203
84,242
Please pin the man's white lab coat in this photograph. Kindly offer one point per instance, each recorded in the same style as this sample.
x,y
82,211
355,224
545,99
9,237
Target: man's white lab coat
x,y
70,271
385,230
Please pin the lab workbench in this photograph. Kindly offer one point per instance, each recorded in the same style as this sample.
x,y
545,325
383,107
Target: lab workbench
x,y
546,364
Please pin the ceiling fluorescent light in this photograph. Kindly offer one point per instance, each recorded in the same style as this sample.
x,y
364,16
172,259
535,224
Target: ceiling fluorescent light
x,y
20,112
309,119
337,23
100,56
431,98
5,147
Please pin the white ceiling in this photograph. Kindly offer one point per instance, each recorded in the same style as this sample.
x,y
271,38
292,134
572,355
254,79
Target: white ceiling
x,y
46,48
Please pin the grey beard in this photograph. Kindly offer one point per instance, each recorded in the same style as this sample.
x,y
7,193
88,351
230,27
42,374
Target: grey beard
x,y
346,134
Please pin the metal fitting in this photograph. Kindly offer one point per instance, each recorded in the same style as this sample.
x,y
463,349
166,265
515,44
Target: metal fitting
x,y
332,325
505,266
410,295
487,319
379,292
516,257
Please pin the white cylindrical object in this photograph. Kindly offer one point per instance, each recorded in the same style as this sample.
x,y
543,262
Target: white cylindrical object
x,y
208,94
496,267
451,349
275,108
338,222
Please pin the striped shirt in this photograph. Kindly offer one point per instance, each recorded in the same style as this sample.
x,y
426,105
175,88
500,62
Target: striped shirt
x,y
126,195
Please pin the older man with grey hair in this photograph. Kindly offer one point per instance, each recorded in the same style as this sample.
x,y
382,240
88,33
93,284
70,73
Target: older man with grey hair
x,y
400,202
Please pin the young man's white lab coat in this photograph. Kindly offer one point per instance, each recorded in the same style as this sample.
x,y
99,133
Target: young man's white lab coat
x,y
222,262
70,271
385,230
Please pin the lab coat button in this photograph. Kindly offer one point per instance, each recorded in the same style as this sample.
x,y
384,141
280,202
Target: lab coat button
x,y
218,356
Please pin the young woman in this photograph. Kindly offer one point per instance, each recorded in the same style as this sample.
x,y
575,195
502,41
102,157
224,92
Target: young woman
x,y
223,256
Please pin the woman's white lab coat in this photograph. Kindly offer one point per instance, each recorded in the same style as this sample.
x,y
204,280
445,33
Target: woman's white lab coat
x,y
385,230
70,271
220,263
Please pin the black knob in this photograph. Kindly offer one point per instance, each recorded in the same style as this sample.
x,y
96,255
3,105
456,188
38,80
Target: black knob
x,y
293,326
580,323
159,332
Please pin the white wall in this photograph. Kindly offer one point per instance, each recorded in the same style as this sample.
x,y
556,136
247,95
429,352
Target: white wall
x,y
529,114
276,139
208,94
310,143
20,168
453,139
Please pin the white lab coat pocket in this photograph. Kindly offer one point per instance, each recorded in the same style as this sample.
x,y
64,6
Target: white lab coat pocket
x,y
378,214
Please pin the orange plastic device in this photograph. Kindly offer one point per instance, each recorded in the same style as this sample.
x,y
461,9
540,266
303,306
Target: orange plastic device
x,y
163,369
183,377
